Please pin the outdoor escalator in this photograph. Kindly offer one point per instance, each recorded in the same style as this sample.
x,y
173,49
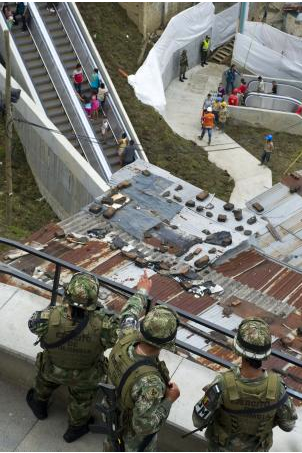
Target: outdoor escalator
x,y
69,59
272,102
43,84
283,89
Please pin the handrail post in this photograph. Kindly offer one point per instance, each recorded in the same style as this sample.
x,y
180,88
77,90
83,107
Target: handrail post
x,y
55,286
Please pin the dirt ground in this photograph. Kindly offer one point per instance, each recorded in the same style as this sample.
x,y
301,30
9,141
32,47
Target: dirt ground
x,y
109,26
286,147
29,214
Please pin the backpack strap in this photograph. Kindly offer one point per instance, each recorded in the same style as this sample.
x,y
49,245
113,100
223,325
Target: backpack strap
x,y
259,410
272,386
131,369
231,386
74,333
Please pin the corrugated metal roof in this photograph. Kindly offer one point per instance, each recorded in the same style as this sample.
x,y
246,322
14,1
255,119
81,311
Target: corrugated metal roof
x,y
248,279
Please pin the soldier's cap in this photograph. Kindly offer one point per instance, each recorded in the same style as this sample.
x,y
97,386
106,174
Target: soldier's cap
x,y
159,327
253,339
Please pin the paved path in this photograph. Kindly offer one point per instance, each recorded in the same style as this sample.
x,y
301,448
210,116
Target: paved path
x,y
184,102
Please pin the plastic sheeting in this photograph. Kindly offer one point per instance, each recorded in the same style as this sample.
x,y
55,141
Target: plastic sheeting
x,y
184,31
224,26
249,53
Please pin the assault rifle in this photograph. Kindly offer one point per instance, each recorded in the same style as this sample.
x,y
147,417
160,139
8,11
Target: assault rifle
x,y
109,409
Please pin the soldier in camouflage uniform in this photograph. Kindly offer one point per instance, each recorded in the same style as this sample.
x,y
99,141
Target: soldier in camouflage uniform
x,y
144,391
241,407
78,362
183,66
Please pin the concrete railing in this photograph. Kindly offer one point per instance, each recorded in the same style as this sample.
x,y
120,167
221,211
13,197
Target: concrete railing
x,y
18,68
290,123
64,177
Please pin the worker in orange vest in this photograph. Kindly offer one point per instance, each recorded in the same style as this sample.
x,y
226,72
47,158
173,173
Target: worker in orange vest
x,y
207,124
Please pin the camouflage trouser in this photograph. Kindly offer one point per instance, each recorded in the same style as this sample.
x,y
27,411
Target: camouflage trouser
x,y
133,444
182,70
82,387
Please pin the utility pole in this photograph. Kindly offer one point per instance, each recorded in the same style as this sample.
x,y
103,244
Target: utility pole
x,y
8,131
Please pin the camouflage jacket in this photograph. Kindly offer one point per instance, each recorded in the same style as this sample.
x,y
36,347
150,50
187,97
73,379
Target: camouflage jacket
x,y
151,408
183,61
111,322
285,417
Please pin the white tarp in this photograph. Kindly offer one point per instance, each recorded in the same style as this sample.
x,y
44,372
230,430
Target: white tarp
x,y
266,51
184,31
224,26
287,45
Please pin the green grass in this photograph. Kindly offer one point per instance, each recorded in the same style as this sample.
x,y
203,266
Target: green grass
x,y
28,214
110,24
286,147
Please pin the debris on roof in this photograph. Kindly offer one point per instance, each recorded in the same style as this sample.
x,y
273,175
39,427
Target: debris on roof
x,y
198,251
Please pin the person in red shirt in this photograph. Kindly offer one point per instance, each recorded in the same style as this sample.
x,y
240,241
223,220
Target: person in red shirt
x,y
243,87
299,110
233,98
207,124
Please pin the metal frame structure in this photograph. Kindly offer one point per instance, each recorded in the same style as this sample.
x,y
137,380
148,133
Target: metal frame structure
x,y
125,291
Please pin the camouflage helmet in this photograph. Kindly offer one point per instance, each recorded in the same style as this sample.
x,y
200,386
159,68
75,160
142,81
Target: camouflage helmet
x,y
82,291
159,327
253,339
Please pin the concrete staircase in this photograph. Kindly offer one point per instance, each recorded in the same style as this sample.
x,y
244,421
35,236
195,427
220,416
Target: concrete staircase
x,y
223,54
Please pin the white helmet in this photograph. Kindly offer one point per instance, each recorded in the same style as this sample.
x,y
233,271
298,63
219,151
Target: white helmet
x,y
209,109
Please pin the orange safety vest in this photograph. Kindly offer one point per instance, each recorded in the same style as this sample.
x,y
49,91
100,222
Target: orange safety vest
x,y
208,120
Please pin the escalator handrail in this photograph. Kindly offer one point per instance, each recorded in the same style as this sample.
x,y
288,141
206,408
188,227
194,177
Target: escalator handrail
x,y
78,59
19,60
70,90
273,96
71,6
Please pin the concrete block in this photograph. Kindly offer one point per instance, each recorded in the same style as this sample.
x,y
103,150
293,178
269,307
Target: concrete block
x,y
191,378
7,293
14,332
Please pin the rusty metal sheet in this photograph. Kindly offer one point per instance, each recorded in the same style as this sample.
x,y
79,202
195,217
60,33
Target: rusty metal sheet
x,y
163,288
194,305
110,264
44,234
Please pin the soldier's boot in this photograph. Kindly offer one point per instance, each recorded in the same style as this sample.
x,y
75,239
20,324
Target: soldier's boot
x,y
180,79
184,77
38,407
75,432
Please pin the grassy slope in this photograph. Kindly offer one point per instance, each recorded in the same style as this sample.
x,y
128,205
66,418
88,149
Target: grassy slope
x,y
286,147
28,214
164,148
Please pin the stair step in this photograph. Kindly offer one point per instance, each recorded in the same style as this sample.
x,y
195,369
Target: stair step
x,y
39,72
61,120
58,111
34,64
51,103
48,95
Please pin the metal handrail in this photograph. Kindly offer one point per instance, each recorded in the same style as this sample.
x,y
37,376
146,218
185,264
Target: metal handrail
x,y
126,291
83,66
66,85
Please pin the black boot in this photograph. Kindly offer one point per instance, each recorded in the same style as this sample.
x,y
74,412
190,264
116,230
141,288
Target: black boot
x,y
180,79
75,432
39,408
184,77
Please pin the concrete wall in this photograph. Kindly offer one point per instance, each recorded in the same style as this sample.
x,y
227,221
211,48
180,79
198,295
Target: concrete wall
x,y
269,119
64,177
149,16
292,26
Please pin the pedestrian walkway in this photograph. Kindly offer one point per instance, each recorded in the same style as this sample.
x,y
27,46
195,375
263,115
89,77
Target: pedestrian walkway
x,y
184,104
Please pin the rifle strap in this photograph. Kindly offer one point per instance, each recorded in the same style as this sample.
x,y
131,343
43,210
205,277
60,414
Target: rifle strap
x,y
259,410
146,442
74,333
130,370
